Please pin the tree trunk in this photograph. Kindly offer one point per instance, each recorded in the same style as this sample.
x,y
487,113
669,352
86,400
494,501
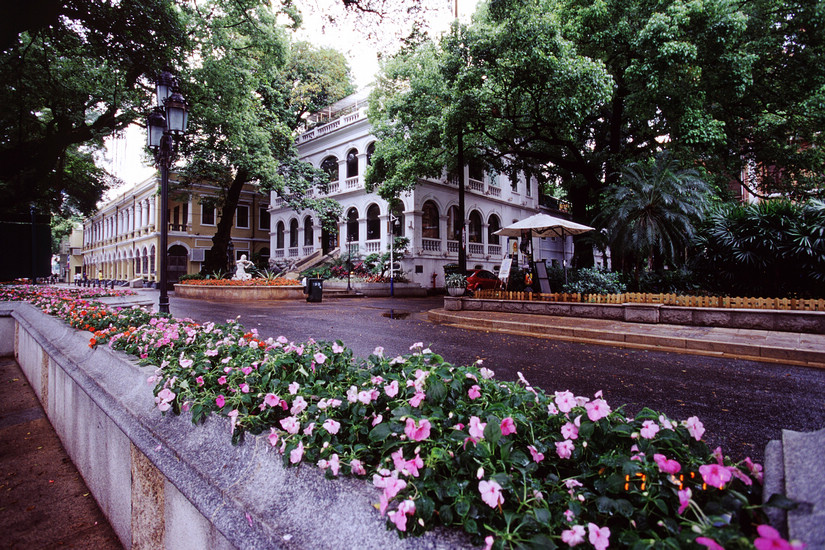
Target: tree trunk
x,y
216,259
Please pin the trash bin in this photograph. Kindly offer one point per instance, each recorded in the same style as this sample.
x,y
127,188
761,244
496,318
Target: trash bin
x,y
315,290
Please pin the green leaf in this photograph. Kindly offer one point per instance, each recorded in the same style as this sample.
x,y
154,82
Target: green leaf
x,y
380,432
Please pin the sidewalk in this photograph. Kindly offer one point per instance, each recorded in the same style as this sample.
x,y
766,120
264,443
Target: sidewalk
x,y
789,348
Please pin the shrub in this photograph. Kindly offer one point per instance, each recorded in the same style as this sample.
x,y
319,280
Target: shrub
x,y
593,280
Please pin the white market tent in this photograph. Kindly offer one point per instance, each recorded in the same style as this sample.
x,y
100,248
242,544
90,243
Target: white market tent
x,y
544,225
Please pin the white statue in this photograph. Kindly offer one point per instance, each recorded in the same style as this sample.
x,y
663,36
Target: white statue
x,y
240,272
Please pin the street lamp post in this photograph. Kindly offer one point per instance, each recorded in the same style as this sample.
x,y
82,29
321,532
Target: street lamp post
x,y
166,125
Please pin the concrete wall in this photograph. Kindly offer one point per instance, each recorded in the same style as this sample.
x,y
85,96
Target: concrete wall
x,y
164,483
761,319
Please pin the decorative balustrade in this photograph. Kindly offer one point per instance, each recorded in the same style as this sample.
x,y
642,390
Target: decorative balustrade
x,y
279,252
494,250
494,191
476,249
475,185
372,246
352,183
309,250
431,245
353,248
333,187
293,251
452,247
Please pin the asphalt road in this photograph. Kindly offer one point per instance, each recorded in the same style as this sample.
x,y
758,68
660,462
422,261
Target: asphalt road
x,y
743,404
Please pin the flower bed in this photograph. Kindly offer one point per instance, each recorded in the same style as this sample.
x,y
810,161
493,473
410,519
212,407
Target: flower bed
x,y
247,282
448,445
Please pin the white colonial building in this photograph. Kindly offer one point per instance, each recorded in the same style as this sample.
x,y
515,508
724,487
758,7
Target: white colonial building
x,y
342,144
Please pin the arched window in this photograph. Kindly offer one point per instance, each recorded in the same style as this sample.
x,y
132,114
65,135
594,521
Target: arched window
x,y
352,225
352,163
429,221
397,218
474,231
145,261
494,224
476,171
293,233
137,261
308,234
370,151
373,222
279,236
330,166
453,224
152,259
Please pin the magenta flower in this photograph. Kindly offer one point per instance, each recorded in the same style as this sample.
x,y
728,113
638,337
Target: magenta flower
x,y
754,469
770,539
199,380
474,392
715,475
391,389
564,448
418,432
222,380
684,500
477,428
597,409
332,426
649,429
220,401
271,400
710,544
508,426
490,493
598,537
244,387
695,428
537,456
573,536
666,466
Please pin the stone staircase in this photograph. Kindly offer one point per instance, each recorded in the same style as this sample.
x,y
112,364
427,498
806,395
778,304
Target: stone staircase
x,y
793,467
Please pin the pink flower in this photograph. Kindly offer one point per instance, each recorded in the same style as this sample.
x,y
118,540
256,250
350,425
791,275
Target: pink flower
x,y
247,370
715,475
332,426
474,392
754,469
290,424
271,400
597,409
244,387
710,544
649,429
399,517
391,389
695,428
293,388
298,405
418,432
684,500
666,466
336,348
598,537
352,394
199,380
477,428
417,398
273,437
334,464
565,401
537,456
296,454
357,468
320,358
573,536
377,420
488,542
186,363
508,426
564,448
220,401
392,485
770,539
570,431
490,493
222,380
365,397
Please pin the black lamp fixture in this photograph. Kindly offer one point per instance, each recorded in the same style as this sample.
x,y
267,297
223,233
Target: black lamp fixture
x,y
166,125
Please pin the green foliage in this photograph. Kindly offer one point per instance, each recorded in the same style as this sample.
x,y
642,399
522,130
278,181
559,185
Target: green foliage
x,y
455,280
772,249
593,280
192,277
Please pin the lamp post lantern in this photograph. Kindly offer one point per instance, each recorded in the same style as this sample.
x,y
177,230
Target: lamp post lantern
x,y
166,125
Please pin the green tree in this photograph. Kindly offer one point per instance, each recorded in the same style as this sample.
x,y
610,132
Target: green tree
x,y
248,91
651,213
70,75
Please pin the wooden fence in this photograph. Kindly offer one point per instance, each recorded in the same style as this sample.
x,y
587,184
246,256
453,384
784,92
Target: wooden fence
x,y
665,299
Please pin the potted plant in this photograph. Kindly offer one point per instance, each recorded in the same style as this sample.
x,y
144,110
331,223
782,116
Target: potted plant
x,y
455,283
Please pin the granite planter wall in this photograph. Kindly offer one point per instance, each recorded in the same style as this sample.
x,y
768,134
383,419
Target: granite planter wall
x,y
239,293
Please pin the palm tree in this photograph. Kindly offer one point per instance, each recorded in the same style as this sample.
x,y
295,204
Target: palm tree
x,y
650,213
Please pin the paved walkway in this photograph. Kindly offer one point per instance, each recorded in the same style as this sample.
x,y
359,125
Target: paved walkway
x,y
788,348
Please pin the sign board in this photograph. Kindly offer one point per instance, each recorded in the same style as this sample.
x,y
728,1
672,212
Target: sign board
x,y
504,270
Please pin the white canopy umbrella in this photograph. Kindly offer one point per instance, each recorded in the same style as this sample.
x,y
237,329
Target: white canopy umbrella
x,y
544,225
